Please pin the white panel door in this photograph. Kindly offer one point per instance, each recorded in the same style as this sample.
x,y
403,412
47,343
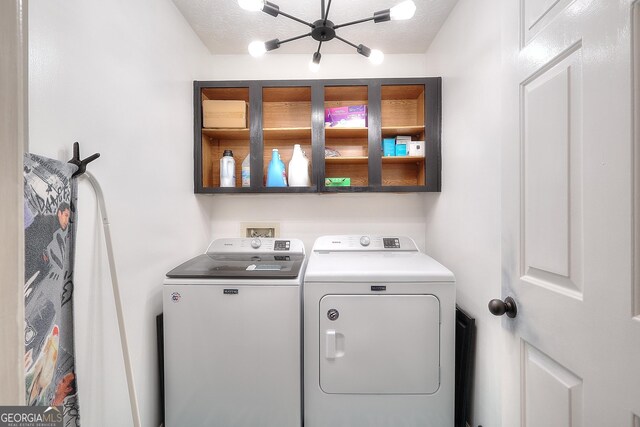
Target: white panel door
x,y
379,344
573,350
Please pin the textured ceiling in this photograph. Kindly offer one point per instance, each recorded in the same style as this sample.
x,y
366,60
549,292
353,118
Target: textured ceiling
x,y
225,28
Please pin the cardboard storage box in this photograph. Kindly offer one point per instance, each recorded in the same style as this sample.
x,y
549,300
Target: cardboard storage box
x,y
224,114
350,116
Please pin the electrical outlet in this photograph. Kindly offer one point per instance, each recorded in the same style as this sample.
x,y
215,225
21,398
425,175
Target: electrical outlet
x,y
260,229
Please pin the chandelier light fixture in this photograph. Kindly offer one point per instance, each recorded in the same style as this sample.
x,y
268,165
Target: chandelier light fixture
x,y
324,30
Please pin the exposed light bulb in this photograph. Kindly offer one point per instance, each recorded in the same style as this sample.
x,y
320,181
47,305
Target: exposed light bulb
x,y
257,48
376,57
404,10
314,64
251,5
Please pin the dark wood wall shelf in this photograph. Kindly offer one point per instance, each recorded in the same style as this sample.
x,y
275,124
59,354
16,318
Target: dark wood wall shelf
x,y
283,113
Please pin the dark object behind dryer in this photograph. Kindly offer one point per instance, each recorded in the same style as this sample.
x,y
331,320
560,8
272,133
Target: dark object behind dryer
x,y
465,361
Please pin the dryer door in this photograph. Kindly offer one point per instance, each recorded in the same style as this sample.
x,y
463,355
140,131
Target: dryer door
x,y
379,344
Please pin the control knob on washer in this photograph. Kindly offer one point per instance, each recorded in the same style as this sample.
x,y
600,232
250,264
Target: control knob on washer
x,y
365,240
255,243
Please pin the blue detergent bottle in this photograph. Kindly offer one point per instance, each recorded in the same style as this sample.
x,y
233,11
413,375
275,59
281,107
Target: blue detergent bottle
x,y
276,173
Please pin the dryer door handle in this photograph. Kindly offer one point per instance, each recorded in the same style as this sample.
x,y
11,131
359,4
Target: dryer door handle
x,y
334,344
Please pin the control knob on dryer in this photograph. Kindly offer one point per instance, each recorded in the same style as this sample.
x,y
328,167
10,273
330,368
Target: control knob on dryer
x,y
255,243
365,240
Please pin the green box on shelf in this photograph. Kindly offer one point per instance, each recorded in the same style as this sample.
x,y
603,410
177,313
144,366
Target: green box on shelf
x,y
337,182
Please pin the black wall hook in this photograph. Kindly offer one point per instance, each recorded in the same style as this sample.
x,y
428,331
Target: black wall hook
x,y
82,164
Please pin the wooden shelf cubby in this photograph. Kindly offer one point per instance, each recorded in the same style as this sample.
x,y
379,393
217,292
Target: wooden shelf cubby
x,y
216,140
350,142
403,114
286,121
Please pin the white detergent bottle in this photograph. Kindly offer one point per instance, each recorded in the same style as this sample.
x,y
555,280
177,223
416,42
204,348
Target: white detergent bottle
x,y
227,169
299,168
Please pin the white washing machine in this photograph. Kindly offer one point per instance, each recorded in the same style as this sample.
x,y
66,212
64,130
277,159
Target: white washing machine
x,y
379,347
232,336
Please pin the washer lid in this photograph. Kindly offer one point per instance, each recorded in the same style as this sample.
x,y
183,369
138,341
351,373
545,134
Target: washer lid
x,y
249,258
234,266
370,258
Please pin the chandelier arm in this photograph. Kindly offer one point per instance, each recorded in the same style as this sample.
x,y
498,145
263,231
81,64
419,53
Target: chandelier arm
x,y
326,15
319,46
346,41
296,19
294,38
359,21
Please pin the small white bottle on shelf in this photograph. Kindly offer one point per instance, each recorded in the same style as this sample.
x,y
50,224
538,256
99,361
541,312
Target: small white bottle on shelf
x,y
227,169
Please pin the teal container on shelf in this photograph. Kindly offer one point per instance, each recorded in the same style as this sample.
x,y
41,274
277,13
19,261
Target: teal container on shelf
x,y
276,173
388,147
401,148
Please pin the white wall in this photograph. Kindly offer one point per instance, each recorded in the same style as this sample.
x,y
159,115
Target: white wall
x,y
312,215
117,77
296,66
463,222
307,216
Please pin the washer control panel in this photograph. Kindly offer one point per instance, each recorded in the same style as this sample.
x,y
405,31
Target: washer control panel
x,y
391,242
282,245
255,245
365,243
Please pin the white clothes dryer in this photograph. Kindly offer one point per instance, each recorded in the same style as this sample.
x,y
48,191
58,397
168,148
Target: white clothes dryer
x,y
379,325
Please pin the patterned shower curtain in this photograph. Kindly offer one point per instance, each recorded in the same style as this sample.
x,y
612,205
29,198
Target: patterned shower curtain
x,y
49,218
